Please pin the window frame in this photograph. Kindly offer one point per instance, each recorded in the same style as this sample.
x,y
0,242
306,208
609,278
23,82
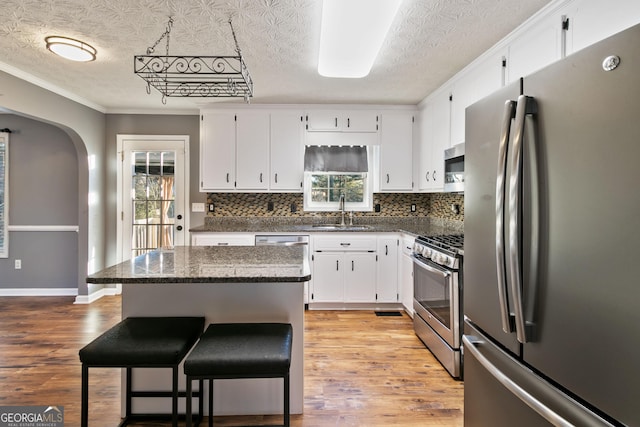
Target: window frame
x,y
313,206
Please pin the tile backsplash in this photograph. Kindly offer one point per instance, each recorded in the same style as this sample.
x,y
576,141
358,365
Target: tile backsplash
x,y
449,206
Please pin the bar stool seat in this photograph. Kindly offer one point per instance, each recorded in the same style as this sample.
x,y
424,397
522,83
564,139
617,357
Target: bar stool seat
x,y
240,350
141,342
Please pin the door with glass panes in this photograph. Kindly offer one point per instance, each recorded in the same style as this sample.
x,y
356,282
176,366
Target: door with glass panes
x,y
153,202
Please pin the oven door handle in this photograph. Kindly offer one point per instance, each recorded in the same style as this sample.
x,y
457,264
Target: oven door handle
x,y
426,266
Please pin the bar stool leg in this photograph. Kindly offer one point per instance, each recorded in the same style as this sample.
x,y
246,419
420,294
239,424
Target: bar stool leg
x,y
84,417
210,402
128,393
189,396
286,401
174,398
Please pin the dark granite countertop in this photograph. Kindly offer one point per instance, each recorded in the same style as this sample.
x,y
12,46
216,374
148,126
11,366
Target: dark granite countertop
x,y
261,225
218,264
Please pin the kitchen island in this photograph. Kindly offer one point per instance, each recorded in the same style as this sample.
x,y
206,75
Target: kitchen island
x,y
223,284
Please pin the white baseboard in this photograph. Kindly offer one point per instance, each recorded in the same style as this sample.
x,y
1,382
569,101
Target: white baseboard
x,y
88,299
39,292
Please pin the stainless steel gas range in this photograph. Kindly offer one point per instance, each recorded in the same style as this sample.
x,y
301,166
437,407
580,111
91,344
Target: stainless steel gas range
x,y
437,297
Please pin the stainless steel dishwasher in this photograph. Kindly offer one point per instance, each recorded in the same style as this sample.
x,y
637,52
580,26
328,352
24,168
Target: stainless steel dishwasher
x,y
288,240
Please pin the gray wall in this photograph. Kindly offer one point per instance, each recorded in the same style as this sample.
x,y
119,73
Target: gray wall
x,y
85,126
43,190
147,124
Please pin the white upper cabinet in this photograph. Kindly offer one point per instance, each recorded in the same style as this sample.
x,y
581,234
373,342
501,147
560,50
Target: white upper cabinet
x,y
593,20
435,125
342,121
287,154
396,150
482,79
234,150
252,150
217,151
536,48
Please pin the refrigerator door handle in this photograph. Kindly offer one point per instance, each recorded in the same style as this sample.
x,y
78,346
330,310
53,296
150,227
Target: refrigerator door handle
x,y
526,106
505,314
471,343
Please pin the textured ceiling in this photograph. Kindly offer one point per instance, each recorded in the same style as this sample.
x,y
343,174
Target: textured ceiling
x,y
429,41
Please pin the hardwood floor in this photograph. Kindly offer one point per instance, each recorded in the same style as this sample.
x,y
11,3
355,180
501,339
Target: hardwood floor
x,y
360,369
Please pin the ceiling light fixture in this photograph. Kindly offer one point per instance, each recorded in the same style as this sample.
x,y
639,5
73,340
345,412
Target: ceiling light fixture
x,y
351,35
194,76
72,49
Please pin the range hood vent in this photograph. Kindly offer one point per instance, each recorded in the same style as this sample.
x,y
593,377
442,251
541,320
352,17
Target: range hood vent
x,y
335,159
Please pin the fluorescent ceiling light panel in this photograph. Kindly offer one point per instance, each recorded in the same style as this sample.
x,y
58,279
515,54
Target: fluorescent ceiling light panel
x,y
351,35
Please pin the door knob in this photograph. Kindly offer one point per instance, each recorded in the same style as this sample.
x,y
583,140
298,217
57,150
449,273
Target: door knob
x,y
179,228
179,217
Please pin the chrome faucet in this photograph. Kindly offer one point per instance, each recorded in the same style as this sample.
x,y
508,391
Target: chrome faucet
x,y
341,207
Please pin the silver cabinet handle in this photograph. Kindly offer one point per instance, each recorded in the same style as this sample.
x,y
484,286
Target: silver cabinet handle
x,y
276,178
260,176
345,244
227,176
387,178
470,344
336,122
433,177
353,265
526,105
428,176
337,265
505,315
223,243
386,249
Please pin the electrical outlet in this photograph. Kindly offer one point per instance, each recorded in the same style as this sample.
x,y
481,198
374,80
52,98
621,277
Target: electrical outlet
x,y
377,207
18,264
211,207
413,207
294,207
269,206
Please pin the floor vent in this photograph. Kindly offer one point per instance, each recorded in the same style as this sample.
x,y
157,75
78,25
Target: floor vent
x,y
388,313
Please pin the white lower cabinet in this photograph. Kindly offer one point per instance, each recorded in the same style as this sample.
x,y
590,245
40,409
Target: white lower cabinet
x,y
387,269
352,269
405,274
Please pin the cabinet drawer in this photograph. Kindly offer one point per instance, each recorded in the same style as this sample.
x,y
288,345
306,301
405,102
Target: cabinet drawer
x,y
344,242
218,239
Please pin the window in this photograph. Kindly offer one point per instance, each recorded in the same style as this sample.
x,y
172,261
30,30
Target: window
x,y
333,171
4,194
323,191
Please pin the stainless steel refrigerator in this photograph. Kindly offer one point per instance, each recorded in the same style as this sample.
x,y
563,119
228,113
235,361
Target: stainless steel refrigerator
x,y
552,245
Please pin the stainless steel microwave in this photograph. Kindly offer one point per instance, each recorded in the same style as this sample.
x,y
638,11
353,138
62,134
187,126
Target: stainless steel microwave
x,y
454,169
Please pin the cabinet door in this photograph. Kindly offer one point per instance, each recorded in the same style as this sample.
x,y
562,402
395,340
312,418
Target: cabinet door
x,y
360,277
434,138
535,49
406,275
286,151
360,121
441,139
217,151
396,151
481,80
387,280
328,277
323,120
252,145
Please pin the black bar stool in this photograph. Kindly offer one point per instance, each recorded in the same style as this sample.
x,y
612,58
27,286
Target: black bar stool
x,y
240,350
142,342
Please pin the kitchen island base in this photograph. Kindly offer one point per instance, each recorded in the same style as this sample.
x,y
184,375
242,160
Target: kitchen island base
x,y
223,303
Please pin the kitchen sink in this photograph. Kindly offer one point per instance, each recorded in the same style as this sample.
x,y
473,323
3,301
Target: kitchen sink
x,y
336,227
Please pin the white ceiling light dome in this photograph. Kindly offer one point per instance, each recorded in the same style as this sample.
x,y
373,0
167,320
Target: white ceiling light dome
x,y
72,49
